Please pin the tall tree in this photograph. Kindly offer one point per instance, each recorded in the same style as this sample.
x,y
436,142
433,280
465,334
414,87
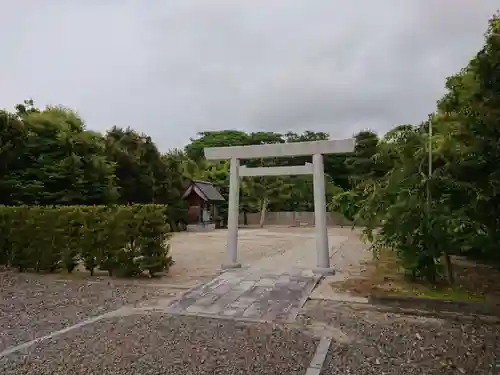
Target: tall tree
x,y
334,164
441,193
138,165
470,118
12,146
57,161
262,193
194,150
172,183
361,164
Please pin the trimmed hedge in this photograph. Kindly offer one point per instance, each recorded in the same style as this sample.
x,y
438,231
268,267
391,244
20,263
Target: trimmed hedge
x,y
123,240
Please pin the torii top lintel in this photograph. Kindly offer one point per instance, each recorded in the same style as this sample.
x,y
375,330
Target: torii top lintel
x,y
337,146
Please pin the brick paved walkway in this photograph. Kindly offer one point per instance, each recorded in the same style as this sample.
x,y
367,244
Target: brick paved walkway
x,y
249,294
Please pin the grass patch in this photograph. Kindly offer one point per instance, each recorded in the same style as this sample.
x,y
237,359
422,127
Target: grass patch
x,y
384,276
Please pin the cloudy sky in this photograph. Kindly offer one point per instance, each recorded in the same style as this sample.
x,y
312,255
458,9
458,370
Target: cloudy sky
x,y
172,68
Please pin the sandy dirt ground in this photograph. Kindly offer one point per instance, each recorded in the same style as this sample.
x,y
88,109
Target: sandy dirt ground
x,y
198,256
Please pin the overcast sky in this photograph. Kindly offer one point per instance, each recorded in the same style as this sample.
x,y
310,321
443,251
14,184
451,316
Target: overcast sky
x,y
172,68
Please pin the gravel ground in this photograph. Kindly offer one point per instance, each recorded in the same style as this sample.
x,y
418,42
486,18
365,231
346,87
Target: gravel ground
x,y
34,305
164,344
373,342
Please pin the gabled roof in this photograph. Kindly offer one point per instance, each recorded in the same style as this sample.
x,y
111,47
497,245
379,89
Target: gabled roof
x,y
205,190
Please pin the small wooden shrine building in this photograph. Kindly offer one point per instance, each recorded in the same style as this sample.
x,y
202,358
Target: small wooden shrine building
x,y
202,197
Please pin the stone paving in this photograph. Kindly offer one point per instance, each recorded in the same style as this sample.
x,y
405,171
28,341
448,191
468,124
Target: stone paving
x,y
249,294
274,287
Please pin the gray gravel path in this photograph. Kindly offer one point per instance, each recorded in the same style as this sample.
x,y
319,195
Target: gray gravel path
x,y
164,344
370,342
34,305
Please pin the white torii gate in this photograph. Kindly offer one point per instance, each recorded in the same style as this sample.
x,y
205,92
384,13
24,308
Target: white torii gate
x,y
316,148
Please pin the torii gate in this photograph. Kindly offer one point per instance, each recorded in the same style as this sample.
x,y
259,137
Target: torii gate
x,y
316,148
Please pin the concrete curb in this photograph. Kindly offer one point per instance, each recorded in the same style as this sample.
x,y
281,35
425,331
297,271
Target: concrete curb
x,y
319,356
436,305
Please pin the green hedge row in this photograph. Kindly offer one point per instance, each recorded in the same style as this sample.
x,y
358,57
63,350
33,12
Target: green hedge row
x,y
123,240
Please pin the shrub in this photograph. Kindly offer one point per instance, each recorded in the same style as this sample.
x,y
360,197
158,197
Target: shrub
x,y
5,251
47,230
19,228
124,240
152,240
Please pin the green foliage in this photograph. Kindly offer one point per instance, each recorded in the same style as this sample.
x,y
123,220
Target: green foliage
x,y
47,157
143,175
194,150
94,239
291,193
5,245
152,240
136,160
425,195
124,240
431,195
361,164
348,203
173,184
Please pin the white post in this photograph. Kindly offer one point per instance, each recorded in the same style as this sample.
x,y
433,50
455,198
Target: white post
x,y
323,254
233,213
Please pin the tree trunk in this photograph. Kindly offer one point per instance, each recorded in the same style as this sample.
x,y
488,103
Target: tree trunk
x,y
245,218
449,268
263,212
